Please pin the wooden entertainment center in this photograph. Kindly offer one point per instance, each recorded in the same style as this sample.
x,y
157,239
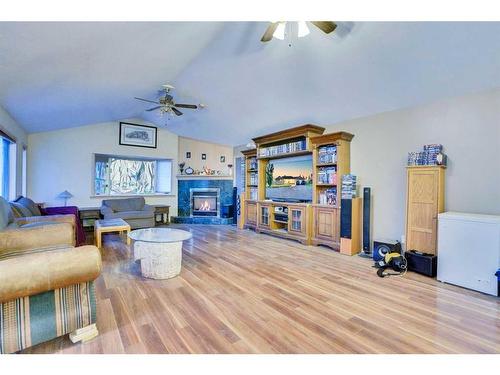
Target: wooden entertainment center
x,y
311,223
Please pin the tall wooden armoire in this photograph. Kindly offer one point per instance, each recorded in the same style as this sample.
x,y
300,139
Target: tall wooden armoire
x,y
424,200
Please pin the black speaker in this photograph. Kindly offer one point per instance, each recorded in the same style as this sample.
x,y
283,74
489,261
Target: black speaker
x,y
235,211
346,218
425,264
366,220
381,248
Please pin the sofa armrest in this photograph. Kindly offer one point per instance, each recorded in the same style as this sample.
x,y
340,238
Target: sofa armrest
x,y
35,237
34,273
105,210
60,210
47,219
149,208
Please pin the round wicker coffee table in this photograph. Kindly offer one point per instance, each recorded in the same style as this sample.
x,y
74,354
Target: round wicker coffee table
x,y
159,250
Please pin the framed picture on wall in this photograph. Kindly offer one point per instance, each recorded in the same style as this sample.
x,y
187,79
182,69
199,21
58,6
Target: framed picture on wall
x,y
203,156
222,159
188,155
138,135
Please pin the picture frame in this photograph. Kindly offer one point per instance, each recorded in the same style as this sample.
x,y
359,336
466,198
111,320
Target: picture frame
x,y
222,159
188,155
137,135
203,156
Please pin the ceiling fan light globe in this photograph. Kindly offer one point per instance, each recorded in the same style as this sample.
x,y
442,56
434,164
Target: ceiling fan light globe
x,y
303,29
279,33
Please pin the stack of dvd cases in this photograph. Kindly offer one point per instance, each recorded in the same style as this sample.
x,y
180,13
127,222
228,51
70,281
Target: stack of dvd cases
x,y
327,176
327,154
348,186
431,155
283,149
328,196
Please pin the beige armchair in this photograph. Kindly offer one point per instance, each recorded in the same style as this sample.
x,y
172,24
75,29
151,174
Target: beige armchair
x,y
46,284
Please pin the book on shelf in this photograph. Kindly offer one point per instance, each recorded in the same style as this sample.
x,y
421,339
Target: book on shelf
x,y
327,154
285,148
327,175
252,164
328,196
254,179
253,194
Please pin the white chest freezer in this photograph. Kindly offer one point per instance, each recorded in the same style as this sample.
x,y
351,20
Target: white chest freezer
x,y
469,250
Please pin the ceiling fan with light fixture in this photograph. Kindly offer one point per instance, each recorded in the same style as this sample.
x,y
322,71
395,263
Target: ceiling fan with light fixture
x,y
277,29
166,103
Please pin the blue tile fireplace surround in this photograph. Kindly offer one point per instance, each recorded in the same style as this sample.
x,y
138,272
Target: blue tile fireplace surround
x,y
184,200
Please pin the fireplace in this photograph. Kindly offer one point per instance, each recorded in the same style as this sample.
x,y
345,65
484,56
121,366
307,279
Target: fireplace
x,y
205,201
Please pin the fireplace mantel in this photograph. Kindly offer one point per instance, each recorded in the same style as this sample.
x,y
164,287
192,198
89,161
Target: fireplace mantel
x,y
203,177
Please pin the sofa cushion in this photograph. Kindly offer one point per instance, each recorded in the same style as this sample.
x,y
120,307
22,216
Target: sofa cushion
x,y
126,204
130,215
30,205
19,210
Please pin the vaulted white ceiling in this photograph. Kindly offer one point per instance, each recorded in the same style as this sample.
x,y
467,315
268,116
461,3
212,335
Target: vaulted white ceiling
x,y
59,75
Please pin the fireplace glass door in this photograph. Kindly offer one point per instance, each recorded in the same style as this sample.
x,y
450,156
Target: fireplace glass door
x,y
204,205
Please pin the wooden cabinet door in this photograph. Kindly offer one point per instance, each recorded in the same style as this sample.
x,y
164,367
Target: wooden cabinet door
x,y
297,221
251,209
326,224
422,210
264,215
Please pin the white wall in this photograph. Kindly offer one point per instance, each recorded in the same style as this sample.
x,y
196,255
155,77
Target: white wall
x,y
63,160
213,152
13,129
469,129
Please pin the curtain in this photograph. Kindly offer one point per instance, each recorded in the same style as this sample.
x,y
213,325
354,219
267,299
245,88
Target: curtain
x,y
5,168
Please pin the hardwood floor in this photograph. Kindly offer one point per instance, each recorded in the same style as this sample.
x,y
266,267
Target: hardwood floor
x,y
242,292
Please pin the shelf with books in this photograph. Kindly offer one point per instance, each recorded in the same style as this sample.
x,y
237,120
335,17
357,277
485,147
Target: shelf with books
x,y
327,154
251,174
285,155
289,147
331,160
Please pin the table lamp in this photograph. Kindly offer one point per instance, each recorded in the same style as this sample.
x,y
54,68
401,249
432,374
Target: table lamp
x,y
65,195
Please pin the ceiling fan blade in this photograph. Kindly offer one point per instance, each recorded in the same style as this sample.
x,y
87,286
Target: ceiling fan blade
x,y
146,100
191,106
153,109
268,35
325,26
176,111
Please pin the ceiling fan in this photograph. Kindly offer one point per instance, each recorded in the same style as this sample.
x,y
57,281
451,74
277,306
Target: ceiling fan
x,y
166,103
277,29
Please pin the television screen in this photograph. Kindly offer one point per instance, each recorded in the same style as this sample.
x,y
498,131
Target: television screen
x,y
289,179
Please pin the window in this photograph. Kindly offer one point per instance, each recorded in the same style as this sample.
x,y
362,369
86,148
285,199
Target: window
x,y
118,175
24,174
8,151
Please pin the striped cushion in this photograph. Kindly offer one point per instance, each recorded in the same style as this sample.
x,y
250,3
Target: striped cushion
x,y
28,321
19,210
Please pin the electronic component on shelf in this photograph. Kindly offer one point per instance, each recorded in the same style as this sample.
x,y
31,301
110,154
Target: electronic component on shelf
x,y
281,209
281,217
